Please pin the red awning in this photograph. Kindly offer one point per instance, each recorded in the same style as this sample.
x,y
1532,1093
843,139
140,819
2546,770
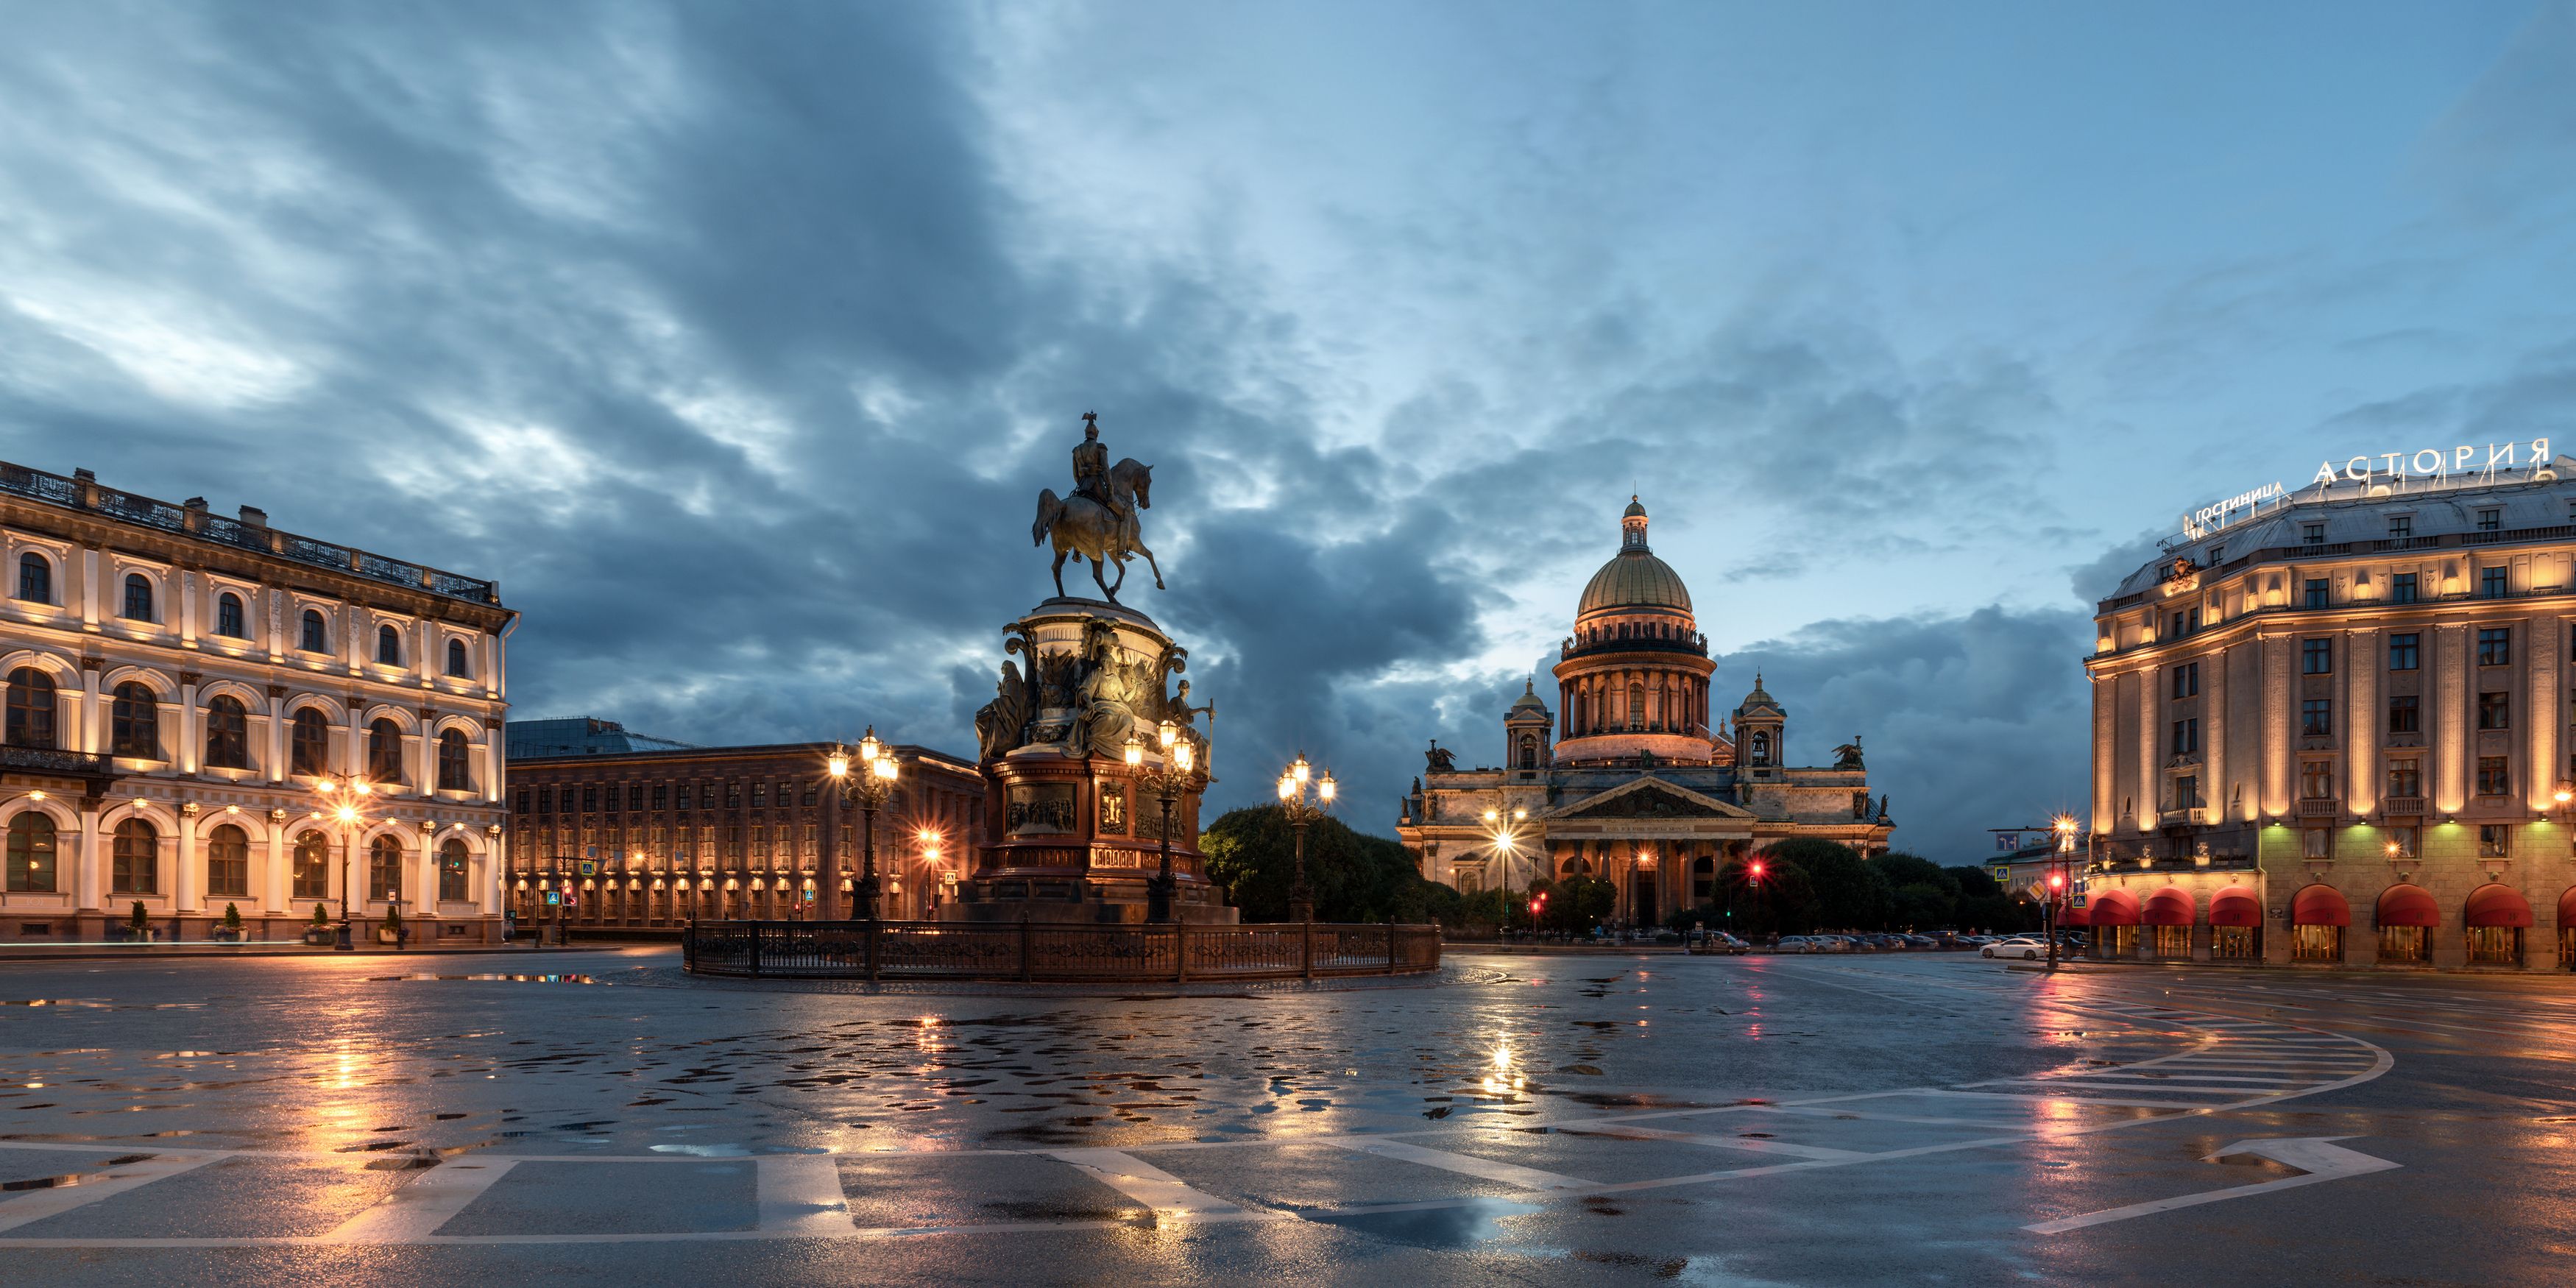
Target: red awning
x,y
2408,905
2071,916
2496,905
2320,905
2114,908
2171,906
2235,906
2567,908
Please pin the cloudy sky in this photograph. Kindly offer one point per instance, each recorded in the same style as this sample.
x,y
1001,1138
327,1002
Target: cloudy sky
x,y
737,339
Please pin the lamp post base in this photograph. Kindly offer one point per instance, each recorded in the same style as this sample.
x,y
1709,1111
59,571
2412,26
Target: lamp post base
x,y
863,900
1158,897
342,943
1301,904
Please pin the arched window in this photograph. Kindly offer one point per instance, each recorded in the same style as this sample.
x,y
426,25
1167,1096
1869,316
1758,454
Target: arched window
x,y
31,708
317,633
388,646
35,578
451,871
228,616
228,863
384,752
134,722
458,664
138,597
312,866
31,854
1636,706
453,774
135,867
1761,747
227,733
1529,751
309,744
384,868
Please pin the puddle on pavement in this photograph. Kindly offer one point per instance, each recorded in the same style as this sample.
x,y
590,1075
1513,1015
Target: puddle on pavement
x,y
1458,1225
494,978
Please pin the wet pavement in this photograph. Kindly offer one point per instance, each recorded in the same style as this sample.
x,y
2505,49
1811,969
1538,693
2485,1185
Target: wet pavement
x,y
1902,1119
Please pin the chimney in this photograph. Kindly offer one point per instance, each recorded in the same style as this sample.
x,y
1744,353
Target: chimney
x,y
195,518
254,517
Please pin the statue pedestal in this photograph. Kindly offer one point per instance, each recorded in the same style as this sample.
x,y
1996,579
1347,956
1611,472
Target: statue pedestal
x,y
1071,834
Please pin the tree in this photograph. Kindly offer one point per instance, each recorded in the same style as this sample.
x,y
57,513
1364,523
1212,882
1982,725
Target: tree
x,y
1848,891
1575,904
1780,901
1251,854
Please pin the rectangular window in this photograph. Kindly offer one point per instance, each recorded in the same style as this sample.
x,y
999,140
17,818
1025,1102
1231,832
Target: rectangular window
x,y
2218,554
2316,592
2186,737
2402,715
635,796
2490,520
2316,780
2316,843
2403,651
590,797
2312,533
2495,646
2495,710
760,795
2491,840
545,800
2402,588
2404,779
451,874
2491,582
2186,680
2492,778
661,795
809,796
2187,792
2494,945
2404,839
2316,943
2316,717
2401,526
2316,657
523,800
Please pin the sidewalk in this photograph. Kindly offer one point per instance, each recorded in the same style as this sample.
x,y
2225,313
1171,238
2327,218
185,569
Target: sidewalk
x,y
141,952
2094,966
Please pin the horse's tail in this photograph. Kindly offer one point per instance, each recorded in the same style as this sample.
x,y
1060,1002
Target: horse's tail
x,y
1049,509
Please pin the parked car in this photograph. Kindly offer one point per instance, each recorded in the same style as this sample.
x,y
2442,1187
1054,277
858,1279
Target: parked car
x,y
2029,950
1796,944
1920,942
1717,942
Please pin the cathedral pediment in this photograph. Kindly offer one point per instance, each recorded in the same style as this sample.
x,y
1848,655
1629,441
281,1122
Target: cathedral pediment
x,y
1650,798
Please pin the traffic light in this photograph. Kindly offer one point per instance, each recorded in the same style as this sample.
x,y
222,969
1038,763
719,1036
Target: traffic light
x,y
2056,880
1757,872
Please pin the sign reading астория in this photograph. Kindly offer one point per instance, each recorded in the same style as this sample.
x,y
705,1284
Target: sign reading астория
x,y
2383,469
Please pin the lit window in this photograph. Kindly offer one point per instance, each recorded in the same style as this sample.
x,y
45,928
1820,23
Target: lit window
x,y
35,579
317,633
388,646
2316,717
2493,780
138,597
2495,710
31,708
229,618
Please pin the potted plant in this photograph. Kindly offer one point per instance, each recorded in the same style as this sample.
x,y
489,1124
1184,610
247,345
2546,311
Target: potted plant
x,y
230,932
392,931
138,927
319,933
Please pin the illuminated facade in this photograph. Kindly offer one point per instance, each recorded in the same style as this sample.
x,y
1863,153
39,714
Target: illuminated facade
x,y
177,680
2337,728
645,838
1628,779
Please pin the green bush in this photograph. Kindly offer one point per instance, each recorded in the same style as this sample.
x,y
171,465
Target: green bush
x,y
1251,854
232,917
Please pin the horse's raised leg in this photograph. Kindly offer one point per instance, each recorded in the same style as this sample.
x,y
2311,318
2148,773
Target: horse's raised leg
x,y
1149,562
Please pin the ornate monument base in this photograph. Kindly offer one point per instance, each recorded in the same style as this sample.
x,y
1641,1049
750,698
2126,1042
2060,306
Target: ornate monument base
x,y
1072,832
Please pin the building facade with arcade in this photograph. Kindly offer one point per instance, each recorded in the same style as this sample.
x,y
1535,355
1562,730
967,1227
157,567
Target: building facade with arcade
x,y
2333,725
1635,775
177,684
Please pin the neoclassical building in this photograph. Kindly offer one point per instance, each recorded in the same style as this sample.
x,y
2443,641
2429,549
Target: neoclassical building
x,y
2336,728
176,682
1628,778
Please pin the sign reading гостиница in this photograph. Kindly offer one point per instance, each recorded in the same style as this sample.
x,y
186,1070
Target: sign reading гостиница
x,y
2385,469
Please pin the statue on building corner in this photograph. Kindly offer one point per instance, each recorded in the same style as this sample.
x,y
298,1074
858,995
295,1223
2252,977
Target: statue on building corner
x,y
1440,760
1847,756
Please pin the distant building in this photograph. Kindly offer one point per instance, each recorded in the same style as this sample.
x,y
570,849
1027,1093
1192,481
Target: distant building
x,y
645,833
2337,729
177,680
1628,780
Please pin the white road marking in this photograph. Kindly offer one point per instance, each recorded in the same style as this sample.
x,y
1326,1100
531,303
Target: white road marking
x,y
1527,1178
1167,1194
2315,1155
1748,1144
29,1208
414,1212
800,1194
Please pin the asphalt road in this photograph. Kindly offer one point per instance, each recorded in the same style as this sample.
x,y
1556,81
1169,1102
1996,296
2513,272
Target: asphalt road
x,y
1879,1119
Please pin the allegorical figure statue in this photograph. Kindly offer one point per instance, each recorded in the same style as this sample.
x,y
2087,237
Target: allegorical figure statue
x,y
1107,697
1098,522
1847,756
1439,760
1001,726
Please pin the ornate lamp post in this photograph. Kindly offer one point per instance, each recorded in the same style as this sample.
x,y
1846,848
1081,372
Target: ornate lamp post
x,y
1177,775
1506,842
1294,786
867,783
2057,866
344,802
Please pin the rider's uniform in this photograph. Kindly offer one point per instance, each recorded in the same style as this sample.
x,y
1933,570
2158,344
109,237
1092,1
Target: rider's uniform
x,y
1091,471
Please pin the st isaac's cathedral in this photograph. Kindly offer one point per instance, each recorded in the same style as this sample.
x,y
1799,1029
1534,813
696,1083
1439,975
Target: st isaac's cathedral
x,y
1628,779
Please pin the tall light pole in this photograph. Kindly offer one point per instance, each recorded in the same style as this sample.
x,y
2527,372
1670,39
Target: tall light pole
x,y
1506,840
344,804
1178,774
1294,785
868,783
2057,865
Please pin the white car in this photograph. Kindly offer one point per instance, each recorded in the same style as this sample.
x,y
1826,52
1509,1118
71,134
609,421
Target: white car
x,y
2029,950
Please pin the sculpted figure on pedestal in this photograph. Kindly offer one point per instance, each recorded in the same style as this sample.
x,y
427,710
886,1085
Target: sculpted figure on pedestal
x,y
1098,522
1001,726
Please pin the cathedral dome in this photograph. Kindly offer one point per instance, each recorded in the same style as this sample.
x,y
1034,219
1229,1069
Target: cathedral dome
x,y
1634,578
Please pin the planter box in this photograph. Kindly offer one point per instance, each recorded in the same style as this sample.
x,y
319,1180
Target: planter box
x,y
387,935
228,934
322,938
129,935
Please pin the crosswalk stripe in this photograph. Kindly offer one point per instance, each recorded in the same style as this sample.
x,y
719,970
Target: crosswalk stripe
x,y
1527,1178
801,1194
1167,1194
415,1211
1749,1144
27,1209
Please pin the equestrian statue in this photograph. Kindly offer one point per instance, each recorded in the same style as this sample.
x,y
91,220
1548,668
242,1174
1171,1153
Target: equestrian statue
x,y
1098,522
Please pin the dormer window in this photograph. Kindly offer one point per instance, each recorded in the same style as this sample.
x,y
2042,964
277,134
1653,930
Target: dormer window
x,y
2490,520
2312,533
2401,526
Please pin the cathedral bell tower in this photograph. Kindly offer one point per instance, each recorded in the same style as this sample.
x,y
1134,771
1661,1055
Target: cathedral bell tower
x,y
1761,726
1526,730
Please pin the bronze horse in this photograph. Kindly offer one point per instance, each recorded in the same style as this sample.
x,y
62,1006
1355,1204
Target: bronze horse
x,y
1084,527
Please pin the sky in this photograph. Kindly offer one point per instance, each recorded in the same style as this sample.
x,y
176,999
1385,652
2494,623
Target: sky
x,y
736,341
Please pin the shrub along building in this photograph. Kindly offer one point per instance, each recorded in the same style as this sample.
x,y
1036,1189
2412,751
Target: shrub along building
x,y
177,682
2335,727
1628,779
644,833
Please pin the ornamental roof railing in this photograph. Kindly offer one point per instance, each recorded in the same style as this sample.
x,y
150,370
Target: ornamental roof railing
x,y
83,492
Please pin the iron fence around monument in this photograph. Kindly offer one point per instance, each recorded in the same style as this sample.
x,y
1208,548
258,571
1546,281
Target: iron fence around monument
x,y
1038,952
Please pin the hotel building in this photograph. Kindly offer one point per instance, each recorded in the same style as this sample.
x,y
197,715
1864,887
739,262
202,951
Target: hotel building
x,y
2337,729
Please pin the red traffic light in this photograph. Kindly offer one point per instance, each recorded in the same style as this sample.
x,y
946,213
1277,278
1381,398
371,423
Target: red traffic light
x,y
1534,903
1757,869
2056,880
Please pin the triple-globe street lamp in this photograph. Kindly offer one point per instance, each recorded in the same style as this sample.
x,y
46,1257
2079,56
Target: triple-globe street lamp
x,y
344,803
1295,785
1178,775
866,782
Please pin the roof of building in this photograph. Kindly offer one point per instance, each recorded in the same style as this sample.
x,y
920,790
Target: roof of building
x,y
579,736
1634,578
1528,701
1759,700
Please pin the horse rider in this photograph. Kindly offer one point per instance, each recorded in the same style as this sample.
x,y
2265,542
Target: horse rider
x,y
1091,466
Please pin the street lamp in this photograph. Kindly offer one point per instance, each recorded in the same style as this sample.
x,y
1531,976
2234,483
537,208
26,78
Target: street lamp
x,y
1293,789
1177,775
1505,842
867,782
344,803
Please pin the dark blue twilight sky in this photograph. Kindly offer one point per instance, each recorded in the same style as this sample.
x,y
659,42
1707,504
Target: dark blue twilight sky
x,y
736,339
